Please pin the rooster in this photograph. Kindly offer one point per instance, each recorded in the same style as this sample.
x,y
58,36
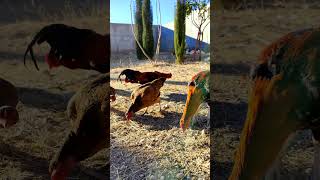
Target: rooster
x,y
270,58
88,111
198,92
144,96
282,104
133,76
8,102
73,48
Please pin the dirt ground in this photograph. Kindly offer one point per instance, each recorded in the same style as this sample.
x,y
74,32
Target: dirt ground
x,y
153,146
238,39
27,147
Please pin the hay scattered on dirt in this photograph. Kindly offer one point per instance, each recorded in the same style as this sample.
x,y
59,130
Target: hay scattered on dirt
x,y
27,147
152,146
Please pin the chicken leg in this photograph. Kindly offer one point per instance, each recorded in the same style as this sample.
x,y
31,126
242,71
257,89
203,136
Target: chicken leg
x,y
145,111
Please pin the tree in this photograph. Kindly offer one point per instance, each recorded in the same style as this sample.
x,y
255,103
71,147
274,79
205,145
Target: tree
x,y
180,30
135,36
200,18
147,33
159,28
139,28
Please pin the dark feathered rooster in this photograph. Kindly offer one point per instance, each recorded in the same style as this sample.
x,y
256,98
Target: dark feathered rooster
x,y
133,76
73,48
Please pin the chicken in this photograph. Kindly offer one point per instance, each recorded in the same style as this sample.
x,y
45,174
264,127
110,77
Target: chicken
x,y
88,111
73,48
198,93
280,105
144,96
133,76
8,101
270,58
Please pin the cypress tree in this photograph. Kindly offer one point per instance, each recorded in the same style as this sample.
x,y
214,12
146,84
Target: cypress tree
x,y
139,28
147,34
180,30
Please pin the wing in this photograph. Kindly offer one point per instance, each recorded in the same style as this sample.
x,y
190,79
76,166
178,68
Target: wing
x,y
150,95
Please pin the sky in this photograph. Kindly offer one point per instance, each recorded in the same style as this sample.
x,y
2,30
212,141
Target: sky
x,y
120,11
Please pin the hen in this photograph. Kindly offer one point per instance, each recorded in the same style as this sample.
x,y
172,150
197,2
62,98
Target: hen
x,y
88,111
145,96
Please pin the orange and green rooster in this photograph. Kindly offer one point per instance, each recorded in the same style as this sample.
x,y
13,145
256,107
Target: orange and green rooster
x,y
285,98
198,92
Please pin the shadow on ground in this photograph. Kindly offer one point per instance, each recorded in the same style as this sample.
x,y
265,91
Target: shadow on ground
x,y
220,170
169,121
230,69
9,56
226,113
120,92
178,83
43,99
118,112
176,97
28,162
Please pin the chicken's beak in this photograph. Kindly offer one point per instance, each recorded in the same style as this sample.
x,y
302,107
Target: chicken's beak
x,y
192,105
3,123
10,116
8,122
184,126
129,116
52,61
62,170
48,61
113,98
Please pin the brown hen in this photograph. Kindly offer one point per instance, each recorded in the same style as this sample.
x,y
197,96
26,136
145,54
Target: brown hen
x,y
144,96
88,111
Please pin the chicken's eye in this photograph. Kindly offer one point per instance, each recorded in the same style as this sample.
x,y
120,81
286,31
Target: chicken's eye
x,y
191,83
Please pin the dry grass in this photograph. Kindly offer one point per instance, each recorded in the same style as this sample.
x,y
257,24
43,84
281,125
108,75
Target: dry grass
x,y
152,146
51,11
27,147
239,38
